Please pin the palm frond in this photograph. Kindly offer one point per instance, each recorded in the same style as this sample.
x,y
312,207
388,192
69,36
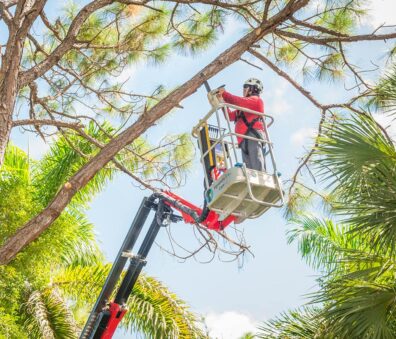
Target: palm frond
x,y
357,160
153,309
304,323
63,160
78,246
16,165
46,316
320,242
359,309
385,93
79,282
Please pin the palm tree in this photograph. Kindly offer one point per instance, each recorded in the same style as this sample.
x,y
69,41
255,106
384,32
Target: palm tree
x,y
304,323
152,308
47,291
354,248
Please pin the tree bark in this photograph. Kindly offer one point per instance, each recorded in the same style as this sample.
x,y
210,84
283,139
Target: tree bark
x,y
11,79
67,43
31,230
25,14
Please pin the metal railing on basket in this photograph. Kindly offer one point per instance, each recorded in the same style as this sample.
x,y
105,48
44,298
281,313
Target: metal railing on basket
x,y
227,141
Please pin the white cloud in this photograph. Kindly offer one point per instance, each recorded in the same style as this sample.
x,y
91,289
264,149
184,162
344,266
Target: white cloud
x,y
229,325
37,147
303,136
277,103
381,12
386,121
279,107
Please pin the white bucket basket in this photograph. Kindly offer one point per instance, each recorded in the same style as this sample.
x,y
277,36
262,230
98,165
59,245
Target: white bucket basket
x,y
233,189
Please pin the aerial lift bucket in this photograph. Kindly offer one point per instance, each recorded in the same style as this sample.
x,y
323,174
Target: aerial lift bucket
x,y
231,189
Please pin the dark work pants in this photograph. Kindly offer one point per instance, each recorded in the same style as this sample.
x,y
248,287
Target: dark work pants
x,y
252,152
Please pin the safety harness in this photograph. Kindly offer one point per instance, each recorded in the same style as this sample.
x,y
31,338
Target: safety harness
x,y
249,125
244,143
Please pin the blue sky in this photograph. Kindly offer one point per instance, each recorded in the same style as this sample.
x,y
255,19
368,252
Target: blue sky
x,y
233,299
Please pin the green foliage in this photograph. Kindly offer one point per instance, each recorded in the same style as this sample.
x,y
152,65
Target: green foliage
x,y
199,31
45,315
153,309
385,93
52,284
359,309
288,52
69,240
298,200
305,323
355,254
360,162
167,163
63,161
157,311
8,328
330,67
302,43
357,289
339,20
112,40
342,16
302,199
319,241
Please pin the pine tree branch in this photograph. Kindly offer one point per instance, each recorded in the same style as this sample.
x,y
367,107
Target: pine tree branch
x,y
307,157
284,75
5,14
24,16
46,122
33,228
317,27
325,41
67,43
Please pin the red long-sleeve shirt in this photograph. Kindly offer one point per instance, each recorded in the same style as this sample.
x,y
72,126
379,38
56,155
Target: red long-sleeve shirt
x,y
254,103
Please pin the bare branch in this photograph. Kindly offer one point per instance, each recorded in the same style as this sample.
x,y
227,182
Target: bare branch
x,y
8,3
305,160
284,75
67,43
325,41
5,14
316,27
46,122
31,230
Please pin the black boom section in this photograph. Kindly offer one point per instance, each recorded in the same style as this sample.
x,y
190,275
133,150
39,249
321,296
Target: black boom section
x,y
100,317
97,314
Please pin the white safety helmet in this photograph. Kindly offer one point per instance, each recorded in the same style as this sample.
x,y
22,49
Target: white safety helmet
x,y
254,83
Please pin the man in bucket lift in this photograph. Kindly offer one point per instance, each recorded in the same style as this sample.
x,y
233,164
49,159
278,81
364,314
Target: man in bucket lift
x,y
248,124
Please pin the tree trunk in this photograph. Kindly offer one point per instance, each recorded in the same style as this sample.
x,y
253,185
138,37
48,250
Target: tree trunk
x,y
18,28
31,230
5,130
8,90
